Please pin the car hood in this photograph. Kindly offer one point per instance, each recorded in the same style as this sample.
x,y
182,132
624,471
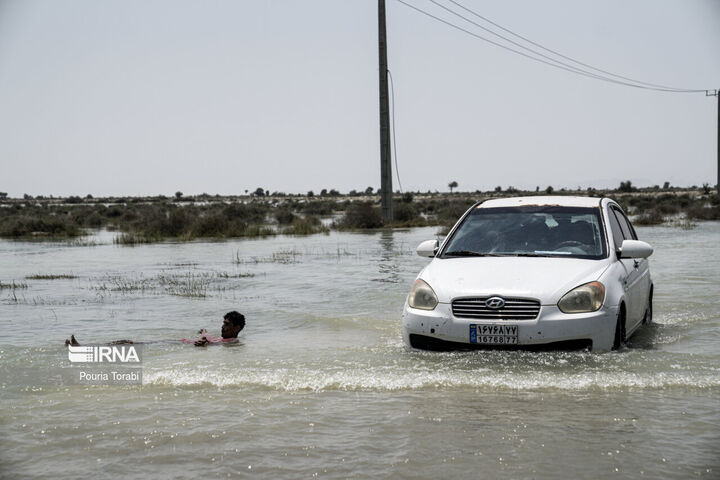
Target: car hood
x,y
543,278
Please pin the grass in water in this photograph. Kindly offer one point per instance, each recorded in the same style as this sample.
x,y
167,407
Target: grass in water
x,y
281,256
13,285
132,239
188,285
50,277
236,275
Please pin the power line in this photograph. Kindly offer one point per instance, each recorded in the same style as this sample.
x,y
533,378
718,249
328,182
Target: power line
x,y
565,56
552,62
392,94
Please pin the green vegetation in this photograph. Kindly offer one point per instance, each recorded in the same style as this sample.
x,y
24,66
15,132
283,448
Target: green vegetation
x,y
361,215
305,226
651,217
259,214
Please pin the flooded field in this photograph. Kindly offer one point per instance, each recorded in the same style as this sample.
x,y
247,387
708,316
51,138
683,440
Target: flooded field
x,y
321,384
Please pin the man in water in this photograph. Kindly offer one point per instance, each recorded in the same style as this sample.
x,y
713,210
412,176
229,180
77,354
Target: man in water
x,y
233,323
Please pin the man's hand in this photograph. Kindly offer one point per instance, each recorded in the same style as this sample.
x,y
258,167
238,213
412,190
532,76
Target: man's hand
x,y
202,342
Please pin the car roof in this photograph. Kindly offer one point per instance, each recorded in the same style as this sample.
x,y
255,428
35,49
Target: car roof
x,y
555,200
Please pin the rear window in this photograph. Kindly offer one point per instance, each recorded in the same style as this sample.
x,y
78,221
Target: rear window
x,y
542,231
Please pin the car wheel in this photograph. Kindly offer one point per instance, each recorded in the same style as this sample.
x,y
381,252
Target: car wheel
x,y
619,330
648,318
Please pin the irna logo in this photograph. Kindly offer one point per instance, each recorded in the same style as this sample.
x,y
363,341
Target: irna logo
x,y
103,354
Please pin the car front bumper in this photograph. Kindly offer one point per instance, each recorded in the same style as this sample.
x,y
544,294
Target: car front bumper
x,y
441,327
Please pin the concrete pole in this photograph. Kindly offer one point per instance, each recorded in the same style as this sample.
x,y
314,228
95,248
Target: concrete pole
x,y
385,161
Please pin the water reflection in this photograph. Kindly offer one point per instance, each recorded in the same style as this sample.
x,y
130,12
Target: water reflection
x,y
388,265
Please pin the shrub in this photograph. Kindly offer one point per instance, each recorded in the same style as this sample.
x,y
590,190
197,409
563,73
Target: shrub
x,y
651,217
51,226
284,217
306,226
703,212
213,225
406,214
361,215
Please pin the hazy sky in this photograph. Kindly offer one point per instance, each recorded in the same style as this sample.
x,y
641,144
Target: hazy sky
x,y
133,97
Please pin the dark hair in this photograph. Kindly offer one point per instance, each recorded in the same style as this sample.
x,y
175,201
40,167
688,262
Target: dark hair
x,y
237,319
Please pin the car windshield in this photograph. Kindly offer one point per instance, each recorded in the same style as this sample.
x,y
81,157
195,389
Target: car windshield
x,y
540,231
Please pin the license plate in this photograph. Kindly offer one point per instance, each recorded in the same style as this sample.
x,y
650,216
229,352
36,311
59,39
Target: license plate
x,y
494,334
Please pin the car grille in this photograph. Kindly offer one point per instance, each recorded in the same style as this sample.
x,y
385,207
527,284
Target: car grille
x,y
514,309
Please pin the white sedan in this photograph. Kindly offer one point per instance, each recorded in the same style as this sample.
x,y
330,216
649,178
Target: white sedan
x,y
565,272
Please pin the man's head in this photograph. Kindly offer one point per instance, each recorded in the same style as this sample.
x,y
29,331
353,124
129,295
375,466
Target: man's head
x,y
233,322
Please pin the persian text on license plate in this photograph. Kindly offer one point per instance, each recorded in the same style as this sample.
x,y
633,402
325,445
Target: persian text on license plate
x,y
494,334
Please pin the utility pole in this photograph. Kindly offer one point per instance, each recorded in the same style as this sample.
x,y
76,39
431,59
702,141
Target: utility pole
x,y
717,94
385,162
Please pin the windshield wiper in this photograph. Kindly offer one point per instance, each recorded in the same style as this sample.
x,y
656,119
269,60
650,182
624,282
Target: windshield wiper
x,y
470,253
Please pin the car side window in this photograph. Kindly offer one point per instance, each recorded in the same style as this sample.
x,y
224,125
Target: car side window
x,y
627,229
632,229
615,228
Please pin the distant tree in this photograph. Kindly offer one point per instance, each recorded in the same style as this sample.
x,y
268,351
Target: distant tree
x,y
334,193
246,192
407,197
323,192
3,195
259,192
178,195
666,186
706,189
310,193
353,193
498,189
537,189
267,193
549,190
369,191
626,187
452,185
27,197
89,197
512,189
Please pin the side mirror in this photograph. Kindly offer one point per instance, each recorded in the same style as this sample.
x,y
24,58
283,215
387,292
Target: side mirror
x,y
635,249
428,248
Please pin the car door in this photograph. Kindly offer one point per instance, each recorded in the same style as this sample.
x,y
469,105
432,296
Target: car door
x,y
637,281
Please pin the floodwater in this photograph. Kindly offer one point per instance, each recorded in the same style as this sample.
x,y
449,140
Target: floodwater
x,y
321,385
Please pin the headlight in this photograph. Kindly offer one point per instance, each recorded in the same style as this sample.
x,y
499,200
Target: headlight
x,y
585,298
422,296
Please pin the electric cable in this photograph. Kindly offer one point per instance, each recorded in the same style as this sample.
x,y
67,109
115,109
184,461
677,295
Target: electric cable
x,y
564,56
553,63
392,94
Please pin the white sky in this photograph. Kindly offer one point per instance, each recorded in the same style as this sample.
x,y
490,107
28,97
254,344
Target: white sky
x,y
131,97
